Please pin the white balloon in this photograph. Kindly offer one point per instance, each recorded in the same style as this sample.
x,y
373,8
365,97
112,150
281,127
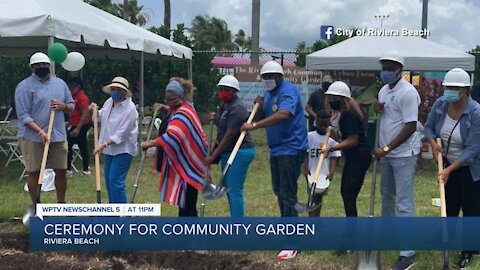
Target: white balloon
x,y
74,61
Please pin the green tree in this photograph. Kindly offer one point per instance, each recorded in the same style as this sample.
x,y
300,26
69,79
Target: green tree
x,y
242,42
476,52
210,33
134,13
106,5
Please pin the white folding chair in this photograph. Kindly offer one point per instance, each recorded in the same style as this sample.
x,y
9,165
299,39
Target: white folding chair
x,y
15,153
5,133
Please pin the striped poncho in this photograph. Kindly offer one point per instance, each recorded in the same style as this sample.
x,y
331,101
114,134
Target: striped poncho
x,y
185,148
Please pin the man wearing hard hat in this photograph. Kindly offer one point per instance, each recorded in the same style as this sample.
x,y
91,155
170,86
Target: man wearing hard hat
x,y
282,116
455,118
34,98
398,103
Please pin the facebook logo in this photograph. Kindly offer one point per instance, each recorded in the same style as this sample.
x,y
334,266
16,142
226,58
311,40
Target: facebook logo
x,y
327,32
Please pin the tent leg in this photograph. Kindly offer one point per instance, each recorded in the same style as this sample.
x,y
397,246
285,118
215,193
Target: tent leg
x,y
190,69
52,66
141,96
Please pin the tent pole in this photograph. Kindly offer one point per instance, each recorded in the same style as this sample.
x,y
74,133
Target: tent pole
x,y
190,69
52,66
141,93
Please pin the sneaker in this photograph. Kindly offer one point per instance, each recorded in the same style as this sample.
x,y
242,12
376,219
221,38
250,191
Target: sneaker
x,y
404,263
464,260
88,172
69,173
287,254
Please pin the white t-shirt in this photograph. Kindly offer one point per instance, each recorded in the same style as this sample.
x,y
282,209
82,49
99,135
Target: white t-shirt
x,y
315,144
401,106
456,145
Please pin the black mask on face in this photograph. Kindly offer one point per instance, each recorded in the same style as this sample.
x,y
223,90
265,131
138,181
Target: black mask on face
x,y
41,72
335,104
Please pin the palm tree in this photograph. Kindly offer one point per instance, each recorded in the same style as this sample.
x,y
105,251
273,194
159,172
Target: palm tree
x,y
242,42
167,19
211,33
134,12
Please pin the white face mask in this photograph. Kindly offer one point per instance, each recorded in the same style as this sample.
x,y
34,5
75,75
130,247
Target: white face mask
x,y
269,84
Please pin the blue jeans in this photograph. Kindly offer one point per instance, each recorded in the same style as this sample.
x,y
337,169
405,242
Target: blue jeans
x,y
235,179
397,188
116,169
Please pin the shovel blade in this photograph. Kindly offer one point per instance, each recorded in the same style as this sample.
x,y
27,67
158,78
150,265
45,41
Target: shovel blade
x,y
209,190
217,194
368,260
29,213
303,207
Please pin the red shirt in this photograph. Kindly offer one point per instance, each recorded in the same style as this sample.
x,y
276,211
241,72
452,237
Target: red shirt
x,y
81,101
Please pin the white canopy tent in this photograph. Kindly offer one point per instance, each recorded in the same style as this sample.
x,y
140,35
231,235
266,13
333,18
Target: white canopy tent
x,y
363,52
28,26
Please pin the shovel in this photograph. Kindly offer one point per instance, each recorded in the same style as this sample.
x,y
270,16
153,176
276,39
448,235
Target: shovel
x,y
31,209
310,205
207,183
370,259
142,161
211,194
97,155
443,205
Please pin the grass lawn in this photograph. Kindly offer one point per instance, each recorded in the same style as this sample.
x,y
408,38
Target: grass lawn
x,y
260,201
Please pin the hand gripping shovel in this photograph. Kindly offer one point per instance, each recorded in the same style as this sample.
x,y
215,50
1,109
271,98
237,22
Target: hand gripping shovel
x,y
142,160
443,205
310,206
221,190
31,209
370,259
208,185
97,155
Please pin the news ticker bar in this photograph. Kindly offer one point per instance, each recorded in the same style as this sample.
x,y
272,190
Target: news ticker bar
x,y
129,233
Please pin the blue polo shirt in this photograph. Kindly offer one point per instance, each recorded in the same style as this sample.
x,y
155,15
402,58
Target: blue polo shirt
x,y
33,98
290,136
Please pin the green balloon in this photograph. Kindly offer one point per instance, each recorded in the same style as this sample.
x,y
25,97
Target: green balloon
x,y
57,52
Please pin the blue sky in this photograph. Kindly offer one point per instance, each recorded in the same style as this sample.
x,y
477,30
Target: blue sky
x,y
286,22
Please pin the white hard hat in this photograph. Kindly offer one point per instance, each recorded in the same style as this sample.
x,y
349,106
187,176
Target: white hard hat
x,y
271,67
457,77
39,57
339,88
394,56
229,81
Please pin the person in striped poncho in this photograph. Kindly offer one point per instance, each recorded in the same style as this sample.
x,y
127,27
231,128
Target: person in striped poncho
x,y
181,150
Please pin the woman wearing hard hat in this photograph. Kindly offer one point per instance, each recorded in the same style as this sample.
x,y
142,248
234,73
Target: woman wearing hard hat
x,y
230,116
354,144
455,118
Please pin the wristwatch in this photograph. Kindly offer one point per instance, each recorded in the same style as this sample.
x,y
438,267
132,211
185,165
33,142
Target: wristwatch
x,y
254,124
386,149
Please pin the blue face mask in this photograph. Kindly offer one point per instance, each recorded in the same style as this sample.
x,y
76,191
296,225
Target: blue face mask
x,y
388,77
451,95
117,95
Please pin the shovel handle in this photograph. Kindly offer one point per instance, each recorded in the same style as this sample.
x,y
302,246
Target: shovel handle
x,y
45,154
322,156
97,155
242,135
441,185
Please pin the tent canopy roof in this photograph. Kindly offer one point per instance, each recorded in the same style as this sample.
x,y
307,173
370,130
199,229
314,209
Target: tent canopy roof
x,y
363,52
26,25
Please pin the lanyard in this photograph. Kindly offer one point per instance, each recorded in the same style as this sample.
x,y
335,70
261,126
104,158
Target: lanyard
x,y
451,132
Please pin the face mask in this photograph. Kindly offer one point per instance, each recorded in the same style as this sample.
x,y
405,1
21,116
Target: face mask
x,y
269,84
226,96
117,95
451,95
42,72
388,77
335,104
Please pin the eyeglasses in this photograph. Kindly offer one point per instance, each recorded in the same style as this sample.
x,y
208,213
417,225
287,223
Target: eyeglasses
x,y
169,100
